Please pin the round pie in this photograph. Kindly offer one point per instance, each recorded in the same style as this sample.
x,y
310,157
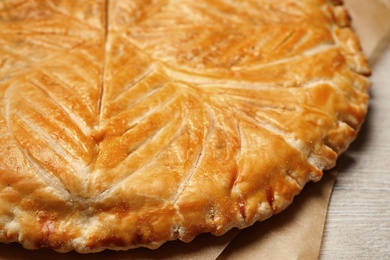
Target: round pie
x,y
130,123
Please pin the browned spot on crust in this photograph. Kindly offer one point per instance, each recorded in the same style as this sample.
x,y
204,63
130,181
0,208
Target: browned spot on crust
x,y
241,206
112,241
270,196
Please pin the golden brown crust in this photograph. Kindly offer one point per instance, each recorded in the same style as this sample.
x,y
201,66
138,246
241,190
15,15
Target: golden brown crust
x,y
131,123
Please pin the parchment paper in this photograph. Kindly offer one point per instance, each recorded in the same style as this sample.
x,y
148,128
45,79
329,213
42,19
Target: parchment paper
x,y
371,21
295,233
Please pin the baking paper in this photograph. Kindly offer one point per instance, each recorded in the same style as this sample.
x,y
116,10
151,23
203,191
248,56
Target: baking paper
x,y
295,233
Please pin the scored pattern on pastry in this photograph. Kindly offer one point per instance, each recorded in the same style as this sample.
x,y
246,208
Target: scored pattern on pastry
x,y
130,123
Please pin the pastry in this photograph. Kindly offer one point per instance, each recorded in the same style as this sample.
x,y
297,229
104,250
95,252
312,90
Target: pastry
x,y
130,123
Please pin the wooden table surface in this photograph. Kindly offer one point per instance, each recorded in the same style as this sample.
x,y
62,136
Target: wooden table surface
x,y
358,220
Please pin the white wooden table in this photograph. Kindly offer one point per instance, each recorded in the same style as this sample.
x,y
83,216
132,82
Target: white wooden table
x,y
358,220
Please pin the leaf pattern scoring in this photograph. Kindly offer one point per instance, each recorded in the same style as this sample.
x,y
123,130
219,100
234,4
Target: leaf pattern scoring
x,y
129,123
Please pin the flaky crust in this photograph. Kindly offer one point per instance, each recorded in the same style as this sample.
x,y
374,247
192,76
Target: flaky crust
x,y
131,123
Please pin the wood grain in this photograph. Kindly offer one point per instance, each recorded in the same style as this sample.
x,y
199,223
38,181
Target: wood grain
x,y
358,220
